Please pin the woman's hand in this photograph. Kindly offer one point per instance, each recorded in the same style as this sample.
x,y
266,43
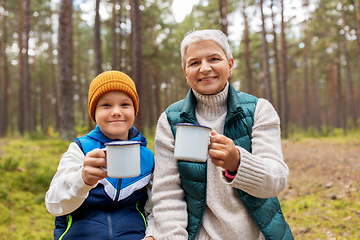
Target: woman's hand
x,y
223,152
92,171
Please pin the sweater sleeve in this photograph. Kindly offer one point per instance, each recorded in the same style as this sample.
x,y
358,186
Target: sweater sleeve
x,y
169,211
67,189
263,173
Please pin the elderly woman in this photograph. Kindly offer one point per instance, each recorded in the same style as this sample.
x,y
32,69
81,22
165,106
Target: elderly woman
x,y
233,194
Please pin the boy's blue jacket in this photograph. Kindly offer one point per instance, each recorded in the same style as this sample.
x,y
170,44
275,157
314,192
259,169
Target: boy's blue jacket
x,y
114,209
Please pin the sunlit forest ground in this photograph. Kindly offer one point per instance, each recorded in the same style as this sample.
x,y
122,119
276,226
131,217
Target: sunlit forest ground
x,y
321,201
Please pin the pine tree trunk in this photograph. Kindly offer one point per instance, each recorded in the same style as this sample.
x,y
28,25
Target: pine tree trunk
x,y
249,78
265,58
7,87
21,119
97,40
27,92
65,64
350,91
223,8
284,97
114,36
276,61
137,57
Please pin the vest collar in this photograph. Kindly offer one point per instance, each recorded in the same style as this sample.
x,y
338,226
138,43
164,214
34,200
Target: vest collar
x,y
233,105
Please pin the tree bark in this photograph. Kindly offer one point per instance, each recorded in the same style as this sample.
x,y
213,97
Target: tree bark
x,y
223,16
350,91
276,61
249,78
54,88
114,36
27,92
97,40
284,95
120,41
65,61
21,119
7,87
265,58
137,56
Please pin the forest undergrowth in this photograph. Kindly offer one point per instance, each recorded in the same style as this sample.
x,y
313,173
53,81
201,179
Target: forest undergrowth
x,y
321,201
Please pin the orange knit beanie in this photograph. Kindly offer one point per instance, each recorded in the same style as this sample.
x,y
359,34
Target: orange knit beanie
x,y
111,81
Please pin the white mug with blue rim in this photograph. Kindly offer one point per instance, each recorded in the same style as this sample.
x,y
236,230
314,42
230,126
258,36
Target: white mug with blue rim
x,y
192,142
123,159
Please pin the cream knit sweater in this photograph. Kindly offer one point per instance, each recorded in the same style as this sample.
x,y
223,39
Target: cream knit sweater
x,y
262,174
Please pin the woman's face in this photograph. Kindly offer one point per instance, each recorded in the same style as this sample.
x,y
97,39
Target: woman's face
x,y
206,67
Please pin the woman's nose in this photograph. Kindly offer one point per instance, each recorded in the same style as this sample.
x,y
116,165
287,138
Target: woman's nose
x,y
205,67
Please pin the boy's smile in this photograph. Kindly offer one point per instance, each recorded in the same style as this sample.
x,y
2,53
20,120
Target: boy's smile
x,y
115,114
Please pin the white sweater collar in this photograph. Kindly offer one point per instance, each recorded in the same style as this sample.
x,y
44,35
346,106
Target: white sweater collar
x,y
212,106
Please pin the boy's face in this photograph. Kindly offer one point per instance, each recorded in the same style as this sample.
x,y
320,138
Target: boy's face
x,y
115,114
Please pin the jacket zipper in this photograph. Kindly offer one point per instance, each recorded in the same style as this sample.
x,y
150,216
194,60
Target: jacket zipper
x,y
110,226
109,217
69,221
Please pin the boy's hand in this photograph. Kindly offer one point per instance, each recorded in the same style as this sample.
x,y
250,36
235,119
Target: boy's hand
x,y
223,152
92,171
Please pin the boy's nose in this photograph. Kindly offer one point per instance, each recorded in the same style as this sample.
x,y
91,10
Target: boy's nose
x,y
116,112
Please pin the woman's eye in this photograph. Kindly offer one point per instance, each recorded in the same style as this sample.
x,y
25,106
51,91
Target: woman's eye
x,y
214,59
193,63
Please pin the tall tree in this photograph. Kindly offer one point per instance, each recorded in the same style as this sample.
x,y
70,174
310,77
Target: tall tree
x,y
114,35
306,110
21,117
223,8
341,100
97,40
350,91
65,61
249,77
137,55
7,88
276,60
265,57
26,82
54,89
120,40
284,94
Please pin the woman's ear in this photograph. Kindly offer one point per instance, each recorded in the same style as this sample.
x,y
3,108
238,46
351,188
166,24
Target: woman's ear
x,y
231,66
185,74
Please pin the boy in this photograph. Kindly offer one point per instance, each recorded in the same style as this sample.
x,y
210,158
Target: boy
x,y
86,202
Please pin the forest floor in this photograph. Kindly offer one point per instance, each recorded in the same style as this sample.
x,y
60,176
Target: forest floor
x,y
322,199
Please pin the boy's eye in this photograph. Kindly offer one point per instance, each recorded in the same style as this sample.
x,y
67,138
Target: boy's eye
x,y
125,104
105,105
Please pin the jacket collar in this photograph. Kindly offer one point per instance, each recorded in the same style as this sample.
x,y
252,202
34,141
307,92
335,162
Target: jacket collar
x,y
134,135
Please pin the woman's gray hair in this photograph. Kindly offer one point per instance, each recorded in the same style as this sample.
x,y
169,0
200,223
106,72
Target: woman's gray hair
x,y
208,34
